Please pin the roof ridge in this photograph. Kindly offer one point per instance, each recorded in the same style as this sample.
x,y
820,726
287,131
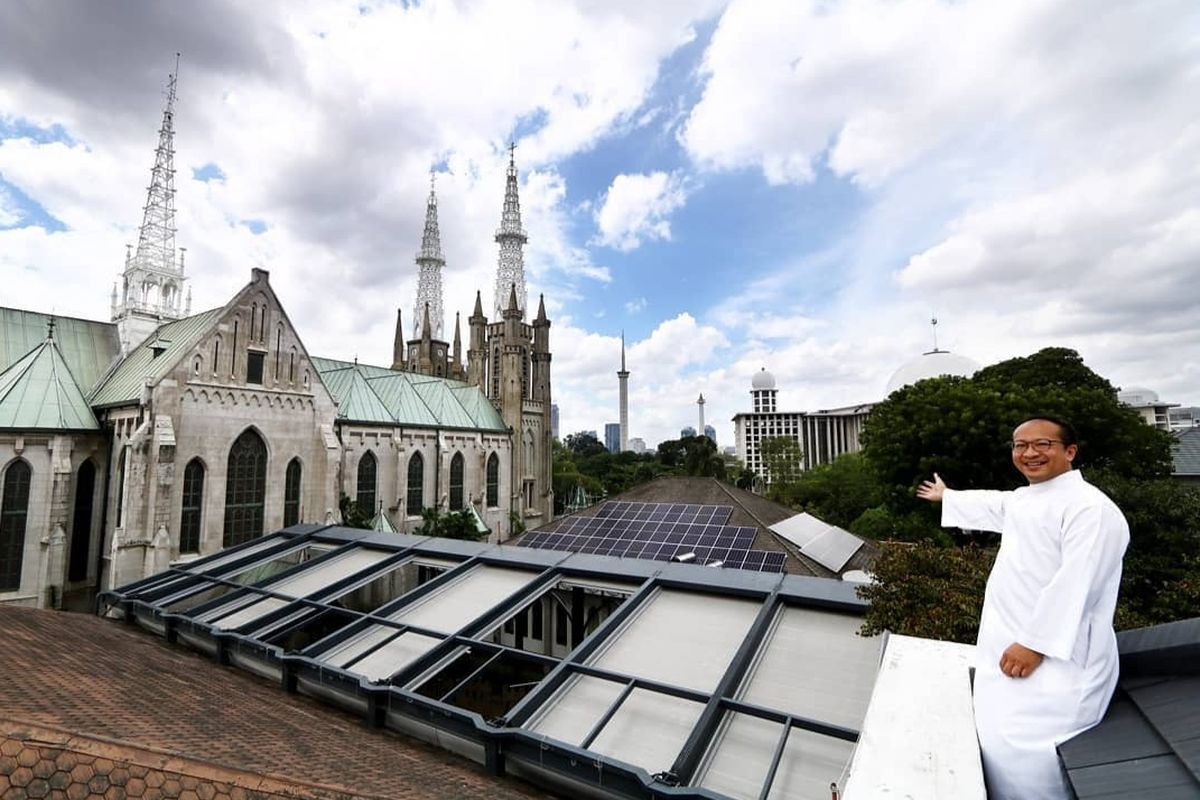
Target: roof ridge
x,y
23,365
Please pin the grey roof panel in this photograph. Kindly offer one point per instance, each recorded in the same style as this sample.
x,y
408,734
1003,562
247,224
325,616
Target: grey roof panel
x,y
1160,777
38,392
1185,452
1125,736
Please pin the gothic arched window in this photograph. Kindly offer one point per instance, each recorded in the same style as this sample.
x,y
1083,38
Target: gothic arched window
x,y
291,493
14,508
415,501
493,481
81,521
245,489
366,483
456,482
191,512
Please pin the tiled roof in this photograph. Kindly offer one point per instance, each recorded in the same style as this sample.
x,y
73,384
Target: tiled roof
x,y
371,394
124,384
39,393
105,682
1148,744
1185,452
749,510
89,347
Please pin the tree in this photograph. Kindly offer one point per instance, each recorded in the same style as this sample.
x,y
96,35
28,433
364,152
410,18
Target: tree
x,y
839,492
583,444
451,525
928,591
353,516
960,427
783,461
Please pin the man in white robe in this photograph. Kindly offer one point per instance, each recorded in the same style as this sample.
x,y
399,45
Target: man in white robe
x,y
1046,658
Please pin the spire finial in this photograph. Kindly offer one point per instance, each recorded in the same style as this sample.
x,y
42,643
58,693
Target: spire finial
x,y
512,152
510,269
429,265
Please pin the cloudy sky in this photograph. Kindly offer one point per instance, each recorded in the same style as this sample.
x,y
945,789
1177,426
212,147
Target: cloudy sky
x,y
795,185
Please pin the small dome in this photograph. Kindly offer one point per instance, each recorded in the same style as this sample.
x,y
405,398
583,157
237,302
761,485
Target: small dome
x,y
1138,396
933,364
763,380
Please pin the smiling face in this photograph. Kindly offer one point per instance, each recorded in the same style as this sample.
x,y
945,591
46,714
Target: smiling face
x,y
1038,467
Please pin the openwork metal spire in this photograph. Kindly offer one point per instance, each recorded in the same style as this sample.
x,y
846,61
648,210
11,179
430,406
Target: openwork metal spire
x,y
510,272
430,263
153,278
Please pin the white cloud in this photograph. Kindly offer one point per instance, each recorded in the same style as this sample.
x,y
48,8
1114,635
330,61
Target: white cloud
x,y
635,306
637,207
10,210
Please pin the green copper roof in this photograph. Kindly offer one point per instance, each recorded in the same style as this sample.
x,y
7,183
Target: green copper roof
x,y
39,393
382,523
370,394
88,347
176,338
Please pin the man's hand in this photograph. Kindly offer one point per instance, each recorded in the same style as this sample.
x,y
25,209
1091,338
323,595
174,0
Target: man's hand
x,y
932,490
1018,661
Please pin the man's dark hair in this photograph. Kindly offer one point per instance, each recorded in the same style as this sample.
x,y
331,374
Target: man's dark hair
x,y
1067,431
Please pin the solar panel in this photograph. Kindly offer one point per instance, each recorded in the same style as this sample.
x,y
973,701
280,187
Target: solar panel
x,y
833,548
800,529
658,532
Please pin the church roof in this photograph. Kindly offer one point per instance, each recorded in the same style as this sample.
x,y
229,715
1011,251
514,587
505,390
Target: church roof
x,y
124,384
381,523
38,392
88,347
371,394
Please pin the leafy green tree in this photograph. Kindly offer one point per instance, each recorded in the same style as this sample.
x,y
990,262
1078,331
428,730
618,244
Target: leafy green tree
x,y
928,591
783,462
960,427
839,492
353,515
583,444
451,525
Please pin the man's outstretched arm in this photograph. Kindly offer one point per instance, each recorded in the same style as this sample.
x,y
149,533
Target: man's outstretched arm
x,y
932,490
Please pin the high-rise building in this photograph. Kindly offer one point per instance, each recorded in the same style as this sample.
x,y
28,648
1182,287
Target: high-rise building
x,y
554,420
637,445
711,433
687,431
821,435
612,437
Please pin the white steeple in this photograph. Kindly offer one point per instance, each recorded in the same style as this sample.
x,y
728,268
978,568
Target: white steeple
x,y
510,271
152,281
430,263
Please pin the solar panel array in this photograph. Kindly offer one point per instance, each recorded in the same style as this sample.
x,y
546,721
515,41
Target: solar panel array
x,y
659,532
826,544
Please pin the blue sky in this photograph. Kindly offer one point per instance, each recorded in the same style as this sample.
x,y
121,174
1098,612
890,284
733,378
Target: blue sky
x,y
793,185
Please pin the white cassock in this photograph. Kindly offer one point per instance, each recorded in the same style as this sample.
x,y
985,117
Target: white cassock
x,y
1052,589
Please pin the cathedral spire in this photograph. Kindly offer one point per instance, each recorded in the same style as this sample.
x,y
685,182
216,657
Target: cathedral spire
x,y
429,264
398,344
510,271
152,281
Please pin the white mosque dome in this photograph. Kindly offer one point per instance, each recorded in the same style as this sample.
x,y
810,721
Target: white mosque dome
x,y
763,380
933,364
1138,396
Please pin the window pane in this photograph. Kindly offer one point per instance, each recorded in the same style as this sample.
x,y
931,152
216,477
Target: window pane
x,y
574,710
456,482
189,517
366,483
493,481
245,489
291,494
14,508
416,486
745,746
648,730
254,367
452,606
394,656
814,664
81,522
663,642
810,763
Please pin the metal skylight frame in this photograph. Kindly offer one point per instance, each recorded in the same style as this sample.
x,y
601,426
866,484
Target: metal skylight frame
x,y
500,743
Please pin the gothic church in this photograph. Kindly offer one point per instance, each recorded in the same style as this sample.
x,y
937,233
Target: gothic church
x,y
162,436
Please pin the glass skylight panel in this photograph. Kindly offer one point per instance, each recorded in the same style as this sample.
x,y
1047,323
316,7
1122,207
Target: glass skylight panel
x,y
394,656
352,648
329,572
648,730
809,764
452,606
574,710
247,614
682,638
739,764
230,557
814,664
